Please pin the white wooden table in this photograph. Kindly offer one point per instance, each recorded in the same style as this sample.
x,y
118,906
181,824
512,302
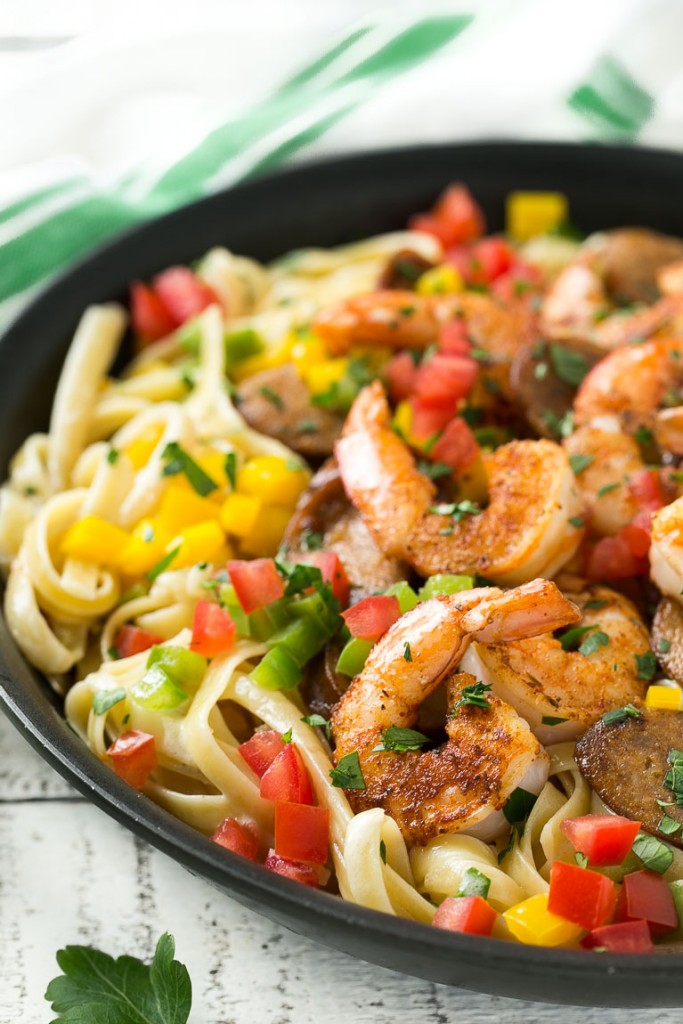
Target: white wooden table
x,y
69,874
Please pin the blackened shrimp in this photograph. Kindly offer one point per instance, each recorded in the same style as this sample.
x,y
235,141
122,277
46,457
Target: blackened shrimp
x,y
490,750
531,526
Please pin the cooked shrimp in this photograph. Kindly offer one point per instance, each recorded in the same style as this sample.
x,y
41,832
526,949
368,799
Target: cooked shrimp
x,y
525,531
634,383
612,267
489,751
403,319
666,549
542,681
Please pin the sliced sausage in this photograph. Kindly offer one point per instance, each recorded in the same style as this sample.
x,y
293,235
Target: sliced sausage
x,y
544,396
667,637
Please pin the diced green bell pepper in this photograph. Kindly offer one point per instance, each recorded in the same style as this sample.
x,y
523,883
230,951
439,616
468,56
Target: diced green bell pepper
x,y
277,670
302,639
184,668
157,691
443,584
265,621
242,344
353,656
677,893
228,600
313,606
404,593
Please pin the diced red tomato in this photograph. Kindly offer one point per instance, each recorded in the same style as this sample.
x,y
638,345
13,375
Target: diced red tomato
x,y
645,896
491,257
287,780
372,617
257,583
629,937
462,216
302,832
131,640
332,572
149,316
457,447
469,914
603,838
645,486
400,373
261,750
430,225
182,293
453,339
637,534
293,869
428,421
581,896
612,559
521,282
445,379
236,836
213,631
134,756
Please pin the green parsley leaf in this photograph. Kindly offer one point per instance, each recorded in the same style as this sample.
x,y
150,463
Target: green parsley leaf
x,y
607,489
162,565
287,736
311,541
596,605
114,653
480,354
643,435
94,987
178,461
647,665
571,367
621,714
664,645
571,638
511,842
320,722
105,699
668,826
558,426
593,643
549,720
577,522
474,883
231,469
112,456
348,774
472,415
306,427
492,386
673,779
407,653
475,695
581,859
400,740
519,805
299,577
383,851
458,509
434,470
580,462
272,397
654,854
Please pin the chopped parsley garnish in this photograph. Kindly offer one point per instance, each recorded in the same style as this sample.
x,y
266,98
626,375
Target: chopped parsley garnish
x,y
458,510
319,722
673,779
621,714
348,774
593,643
383,851
112,456
572,638
231,469
668,826
581,859
492,386
162,565
407,653
647,665
550,720
306,427
654,854
434,470
114,653
272,397
311,541
596,605
607,489
474,883
105,699
577,522
580,462
400,740
287,736
474,695
643,435
571,367
558,426
480,354
664,645
519,805
178,461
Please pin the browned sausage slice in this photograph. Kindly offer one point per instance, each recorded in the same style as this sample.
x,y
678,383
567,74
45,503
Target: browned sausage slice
x,y
626,764
667,637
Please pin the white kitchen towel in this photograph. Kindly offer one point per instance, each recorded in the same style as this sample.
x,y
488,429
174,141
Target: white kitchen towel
x,y
117,111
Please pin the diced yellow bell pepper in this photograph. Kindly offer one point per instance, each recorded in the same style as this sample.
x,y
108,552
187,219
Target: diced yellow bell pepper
x,y
139,450
274,355
272,479
305,352
532,923
441,280
267,532
534,213
667,698
473,482
213,463
146,546
374,355
201,542
181,506
403,425
239,513
321,376
93,539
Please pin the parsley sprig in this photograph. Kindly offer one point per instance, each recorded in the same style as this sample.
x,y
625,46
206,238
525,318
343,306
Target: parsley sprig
x,y
400,740
348,774
178,461
474,695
